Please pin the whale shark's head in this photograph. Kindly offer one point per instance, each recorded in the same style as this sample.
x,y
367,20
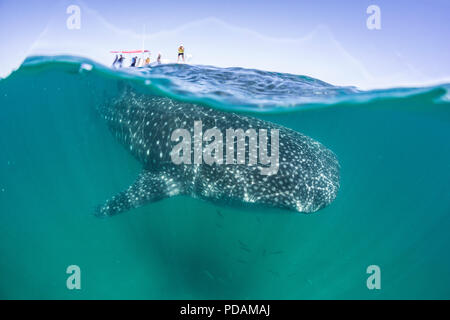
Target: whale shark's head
x,y
319,187
307,179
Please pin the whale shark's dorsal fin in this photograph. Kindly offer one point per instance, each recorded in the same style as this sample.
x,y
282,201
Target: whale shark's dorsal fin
x,y
148,187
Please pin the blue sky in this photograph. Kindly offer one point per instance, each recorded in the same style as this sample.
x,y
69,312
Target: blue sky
x,y
411,48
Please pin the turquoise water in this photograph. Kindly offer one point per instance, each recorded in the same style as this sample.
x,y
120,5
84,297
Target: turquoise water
x,y
59,161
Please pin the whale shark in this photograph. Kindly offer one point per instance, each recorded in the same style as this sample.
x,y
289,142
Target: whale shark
x,y
305,180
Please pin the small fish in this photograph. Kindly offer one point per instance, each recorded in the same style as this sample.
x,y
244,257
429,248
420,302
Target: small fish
x,y
242,244
208,274
274,273
246,249
276,252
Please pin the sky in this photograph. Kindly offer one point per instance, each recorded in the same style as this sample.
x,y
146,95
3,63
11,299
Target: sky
x,y
326,39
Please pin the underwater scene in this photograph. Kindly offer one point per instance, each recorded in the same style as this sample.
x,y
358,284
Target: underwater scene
x,y
362,179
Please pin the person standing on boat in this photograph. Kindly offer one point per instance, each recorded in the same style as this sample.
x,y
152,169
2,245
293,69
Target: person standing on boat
x,y
133,62
159,58
180,53
115,61
120,61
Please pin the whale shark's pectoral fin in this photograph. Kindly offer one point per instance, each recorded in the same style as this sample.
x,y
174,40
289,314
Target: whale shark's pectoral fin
x,y
148,187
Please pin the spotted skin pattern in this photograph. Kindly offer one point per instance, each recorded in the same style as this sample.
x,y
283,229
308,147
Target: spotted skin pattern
x,y
306,181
